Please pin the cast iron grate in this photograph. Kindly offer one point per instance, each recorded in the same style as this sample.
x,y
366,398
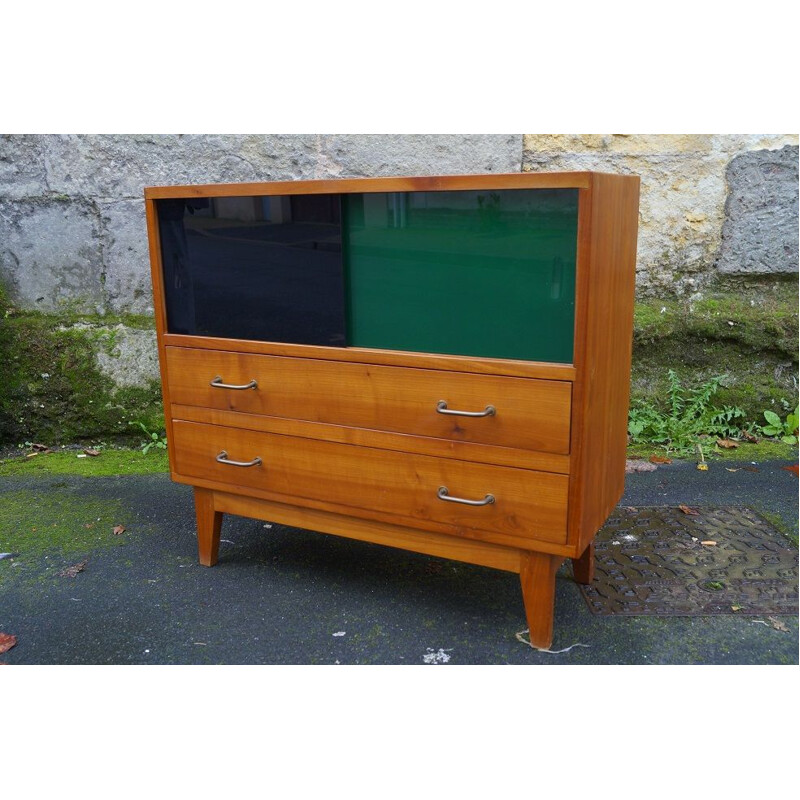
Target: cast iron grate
x,y
651,561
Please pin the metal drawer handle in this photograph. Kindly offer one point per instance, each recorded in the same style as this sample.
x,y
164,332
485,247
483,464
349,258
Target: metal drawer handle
x,y
444,495
218,384
442,408
223,459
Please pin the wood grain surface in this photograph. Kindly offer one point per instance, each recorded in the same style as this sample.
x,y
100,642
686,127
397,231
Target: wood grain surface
x,y
529,505
529,414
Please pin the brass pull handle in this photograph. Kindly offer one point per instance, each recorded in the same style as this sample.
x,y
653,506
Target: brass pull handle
x,y
441,408
223,459
444,495
218,384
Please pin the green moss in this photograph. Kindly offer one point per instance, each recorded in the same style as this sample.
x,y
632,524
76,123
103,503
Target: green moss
x,y
764,450
70,524
111,461
53,391
757,322
750,335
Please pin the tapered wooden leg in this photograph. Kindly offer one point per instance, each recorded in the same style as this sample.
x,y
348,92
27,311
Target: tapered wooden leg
x,y
209,526
538,579
583,567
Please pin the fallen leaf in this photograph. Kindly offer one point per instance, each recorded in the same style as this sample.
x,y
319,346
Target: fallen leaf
x,y
71,572
732,469
793,468
736,608
727,444
660,460
703,467
635,465
776,623
42,448
710,543
118,529
751,469
7,641
749,437
90,452
687,510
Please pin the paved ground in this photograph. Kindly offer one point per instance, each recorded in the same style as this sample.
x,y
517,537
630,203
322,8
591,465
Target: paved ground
x,y
283,596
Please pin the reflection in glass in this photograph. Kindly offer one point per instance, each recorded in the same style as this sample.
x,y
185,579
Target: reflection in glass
x,y
483,273
263,268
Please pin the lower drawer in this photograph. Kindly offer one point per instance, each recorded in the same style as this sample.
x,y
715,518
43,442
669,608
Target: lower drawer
x,y
525,503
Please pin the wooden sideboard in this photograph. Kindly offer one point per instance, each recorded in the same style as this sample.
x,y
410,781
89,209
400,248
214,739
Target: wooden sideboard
x,y
439,364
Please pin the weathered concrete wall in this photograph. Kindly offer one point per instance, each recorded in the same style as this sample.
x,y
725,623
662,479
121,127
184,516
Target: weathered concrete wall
x,y
694,186
72,229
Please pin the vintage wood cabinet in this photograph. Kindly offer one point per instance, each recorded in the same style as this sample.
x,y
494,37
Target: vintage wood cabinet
x,y
439,364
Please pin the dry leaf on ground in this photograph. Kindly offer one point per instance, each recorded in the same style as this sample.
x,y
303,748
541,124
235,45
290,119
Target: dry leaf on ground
x,y
687,510
727,444
118,529
703,467
635,465
778,625
90,452
749,437
7,641
793,468
660,460
71,572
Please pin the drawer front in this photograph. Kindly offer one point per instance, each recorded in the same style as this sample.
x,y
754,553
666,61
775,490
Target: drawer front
x,y
526,504
528,414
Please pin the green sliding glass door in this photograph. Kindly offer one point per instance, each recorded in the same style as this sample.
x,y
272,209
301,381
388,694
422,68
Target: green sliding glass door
x,y
482,273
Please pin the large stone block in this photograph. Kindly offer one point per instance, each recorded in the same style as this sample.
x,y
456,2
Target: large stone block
x,y
360,155
115,167
22,172
132,358
760,234
127,259
50,255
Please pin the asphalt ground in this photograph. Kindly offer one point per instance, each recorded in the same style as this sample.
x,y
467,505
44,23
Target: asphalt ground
x,y
286,596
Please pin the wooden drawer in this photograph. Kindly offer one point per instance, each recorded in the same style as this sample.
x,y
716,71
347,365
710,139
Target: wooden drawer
x,y
528,504
529,414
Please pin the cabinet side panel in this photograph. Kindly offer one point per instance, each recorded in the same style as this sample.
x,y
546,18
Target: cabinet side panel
x,y
159,308
606,364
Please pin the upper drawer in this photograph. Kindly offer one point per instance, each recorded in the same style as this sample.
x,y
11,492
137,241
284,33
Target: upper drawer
x,y
528,414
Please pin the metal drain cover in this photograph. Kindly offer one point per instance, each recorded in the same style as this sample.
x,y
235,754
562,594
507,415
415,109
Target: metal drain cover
x,y
651,561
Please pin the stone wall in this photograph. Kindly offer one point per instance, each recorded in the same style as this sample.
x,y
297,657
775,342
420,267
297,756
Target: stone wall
x,y
73,242
72,230
710,204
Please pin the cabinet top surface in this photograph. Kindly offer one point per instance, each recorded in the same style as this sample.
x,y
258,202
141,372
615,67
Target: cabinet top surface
x,y
430,183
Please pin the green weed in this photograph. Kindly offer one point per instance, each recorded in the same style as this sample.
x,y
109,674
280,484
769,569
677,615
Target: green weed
x,y
677,424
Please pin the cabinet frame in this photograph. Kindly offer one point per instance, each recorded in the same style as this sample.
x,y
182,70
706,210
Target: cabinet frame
x,y
599,374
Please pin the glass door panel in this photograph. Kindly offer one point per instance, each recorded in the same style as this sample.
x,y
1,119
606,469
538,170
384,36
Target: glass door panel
x,y
263,268
482,273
